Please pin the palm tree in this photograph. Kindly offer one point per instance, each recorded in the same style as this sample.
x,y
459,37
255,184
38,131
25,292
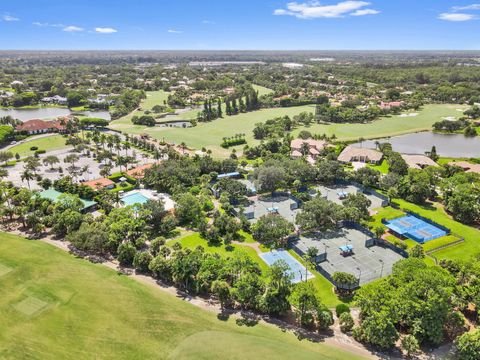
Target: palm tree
x,y
305,148
309,258
27,176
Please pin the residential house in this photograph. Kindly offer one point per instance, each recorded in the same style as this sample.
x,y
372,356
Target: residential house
x,y
37,126
466,166
418,161
98,184
353,153
299,148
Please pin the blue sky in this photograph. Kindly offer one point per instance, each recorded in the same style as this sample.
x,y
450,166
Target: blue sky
x,y
240,24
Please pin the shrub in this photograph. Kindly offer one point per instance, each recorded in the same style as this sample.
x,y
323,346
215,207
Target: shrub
x,y
38,152
346,322
126,253
34,148
141,261
341,309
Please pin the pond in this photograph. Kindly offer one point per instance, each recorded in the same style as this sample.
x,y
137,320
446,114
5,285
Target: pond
x,y
448,145
49,113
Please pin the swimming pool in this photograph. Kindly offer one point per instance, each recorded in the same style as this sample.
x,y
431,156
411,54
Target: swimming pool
x,y
135,198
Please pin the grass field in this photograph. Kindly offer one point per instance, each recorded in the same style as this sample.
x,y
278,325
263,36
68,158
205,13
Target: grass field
x,y
49,143
55,306
262,90
210,134
390,126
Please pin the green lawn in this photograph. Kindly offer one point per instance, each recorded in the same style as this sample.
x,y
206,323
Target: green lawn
x,y
55,306
191,241
322,285
389,126
210,134
383,167
262,90
435,212
49,143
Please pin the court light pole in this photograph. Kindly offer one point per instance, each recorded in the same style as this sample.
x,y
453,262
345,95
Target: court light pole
x,y
381,272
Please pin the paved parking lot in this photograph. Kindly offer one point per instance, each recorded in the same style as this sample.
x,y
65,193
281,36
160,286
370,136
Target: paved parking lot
x,y
92,173
332,194
367,263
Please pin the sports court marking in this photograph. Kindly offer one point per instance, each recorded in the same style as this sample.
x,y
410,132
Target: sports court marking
x,y
31,306
4,270
297,270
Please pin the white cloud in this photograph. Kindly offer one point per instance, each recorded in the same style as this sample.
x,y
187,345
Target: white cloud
x,y
106,30
72,28
7,17
172,31
365,12
467,7
456,17
37,23
208,22
314,9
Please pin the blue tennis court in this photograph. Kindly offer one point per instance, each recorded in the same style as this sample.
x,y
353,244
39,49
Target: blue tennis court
x,y
415,228
296,269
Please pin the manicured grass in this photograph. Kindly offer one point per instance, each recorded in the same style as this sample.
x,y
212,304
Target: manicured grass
x,y
193,240
322,285
389,126
386,212
55,306
383,167
435,212
210,134
49,143
262,90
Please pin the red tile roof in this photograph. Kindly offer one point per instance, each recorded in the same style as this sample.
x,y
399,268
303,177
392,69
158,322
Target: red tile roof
x,y
99,183
139,171
40,125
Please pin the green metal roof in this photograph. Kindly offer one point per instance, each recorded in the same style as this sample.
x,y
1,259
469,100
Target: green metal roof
x,y
53,195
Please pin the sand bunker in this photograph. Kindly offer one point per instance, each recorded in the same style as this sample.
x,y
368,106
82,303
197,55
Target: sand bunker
x,y
450,118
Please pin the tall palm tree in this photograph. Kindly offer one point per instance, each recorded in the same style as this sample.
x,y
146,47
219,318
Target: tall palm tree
x,y
27,176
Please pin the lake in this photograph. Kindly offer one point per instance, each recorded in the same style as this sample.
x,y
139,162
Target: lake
x,y
448,145
49,113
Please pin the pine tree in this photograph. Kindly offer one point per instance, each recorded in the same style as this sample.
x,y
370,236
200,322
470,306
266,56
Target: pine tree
x,y
241,105
228,109
247,102
234,106
219,108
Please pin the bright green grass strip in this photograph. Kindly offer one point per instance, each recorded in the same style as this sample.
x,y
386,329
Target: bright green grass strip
x,y
100,314
324,287
48,143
